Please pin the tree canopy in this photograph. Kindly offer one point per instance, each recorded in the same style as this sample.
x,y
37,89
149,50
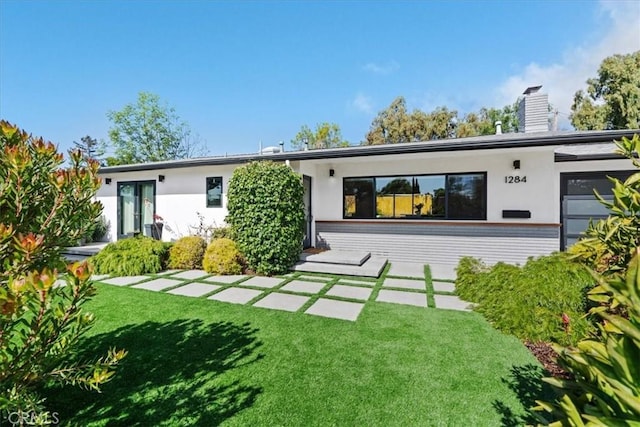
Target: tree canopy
x,y
612,99
396,125
149,131
90,148
326,135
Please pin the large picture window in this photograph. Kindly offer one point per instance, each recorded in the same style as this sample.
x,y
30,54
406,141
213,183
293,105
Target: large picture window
x,y
214,192
449,196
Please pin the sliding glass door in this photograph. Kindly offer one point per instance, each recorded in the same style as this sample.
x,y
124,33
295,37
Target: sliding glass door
x,y
136,207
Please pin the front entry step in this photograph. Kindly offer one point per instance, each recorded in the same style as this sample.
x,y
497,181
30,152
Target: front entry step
x,y
371,268
337,257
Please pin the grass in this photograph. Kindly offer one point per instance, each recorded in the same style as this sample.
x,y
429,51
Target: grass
x,y
198,362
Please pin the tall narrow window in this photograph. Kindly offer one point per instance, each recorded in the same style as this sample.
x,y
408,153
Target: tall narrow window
x,y
466,196
214,192
359,198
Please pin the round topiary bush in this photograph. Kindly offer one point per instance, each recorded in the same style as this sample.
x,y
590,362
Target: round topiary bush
x,y
187,253
222,257
266,215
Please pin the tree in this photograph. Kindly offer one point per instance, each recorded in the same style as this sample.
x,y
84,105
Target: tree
x,y
326,135
90,148
396,125
43,208
149,132
612,100
483,122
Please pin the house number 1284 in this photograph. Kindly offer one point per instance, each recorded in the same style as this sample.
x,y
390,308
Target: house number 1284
x,y
515,179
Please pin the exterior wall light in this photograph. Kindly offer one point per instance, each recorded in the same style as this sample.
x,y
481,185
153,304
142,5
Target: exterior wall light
x,y
332,172
161,178
107,181
516,164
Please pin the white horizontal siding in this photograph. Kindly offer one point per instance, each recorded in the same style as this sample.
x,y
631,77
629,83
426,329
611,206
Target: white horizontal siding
x,y
440,249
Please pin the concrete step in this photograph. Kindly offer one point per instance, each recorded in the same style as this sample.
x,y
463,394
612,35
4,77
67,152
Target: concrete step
x,y
371,268
337,257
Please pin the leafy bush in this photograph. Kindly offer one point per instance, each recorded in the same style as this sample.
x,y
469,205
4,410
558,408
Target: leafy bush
x,y
266,215
610,243
605,390
223,257
43,208
542,301
97,230
187,253
132,257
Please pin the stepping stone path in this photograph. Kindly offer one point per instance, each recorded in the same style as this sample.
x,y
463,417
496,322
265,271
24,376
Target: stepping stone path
x,y
194,289
280,301
236,295
336,309
341,298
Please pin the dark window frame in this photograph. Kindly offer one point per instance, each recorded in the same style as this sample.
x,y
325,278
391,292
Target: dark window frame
x,y
446,193
206,193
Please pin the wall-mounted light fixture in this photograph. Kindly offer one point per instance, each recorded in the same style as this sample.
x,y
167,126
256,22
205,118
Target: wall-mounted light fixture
x,y
516,164
161,178
332,172
107,181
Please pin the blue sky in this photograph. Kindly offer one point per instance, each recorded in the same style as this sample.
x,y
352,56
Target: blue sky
x,y
244,72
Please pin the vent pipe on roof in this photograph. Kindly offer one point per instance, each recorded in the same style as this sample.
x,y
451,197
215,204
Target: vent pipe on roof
x,y
282,146
533,111
498,127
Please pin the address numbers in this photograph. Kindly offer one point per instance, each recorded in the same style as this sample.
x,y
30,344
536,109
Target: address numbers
x,y
515,179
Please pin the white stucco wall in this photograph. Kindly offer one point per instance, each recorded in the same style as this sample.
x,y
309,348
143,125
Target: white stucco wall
x,y
178,198
538,194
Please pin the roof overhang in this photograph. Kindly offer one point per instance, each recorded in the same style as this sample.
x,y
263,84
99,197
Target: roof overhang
x,y
490,142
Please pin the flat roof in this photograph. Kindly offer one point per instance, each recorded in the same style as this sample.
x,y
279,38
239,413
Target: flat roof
x,y
509,140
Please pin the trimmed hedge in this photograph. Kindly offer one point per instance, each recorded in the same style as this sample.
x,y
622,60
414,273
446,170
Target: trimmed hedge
x,y
187,253
132,257
223,257
266,215
530,301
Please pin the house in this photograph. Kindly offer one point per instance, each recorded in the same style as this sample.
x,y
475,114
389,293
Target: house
x,y
502,197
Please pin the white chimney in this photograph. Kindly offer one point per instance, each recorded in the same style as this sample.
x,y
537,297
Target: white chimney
x,y
498,127
533,111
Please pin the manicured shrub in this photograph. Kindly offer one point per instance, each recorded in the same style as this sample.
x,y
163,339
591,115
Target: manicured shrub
x,y
545,300
266,215
605,389
43,208
223,257
132,257
187,253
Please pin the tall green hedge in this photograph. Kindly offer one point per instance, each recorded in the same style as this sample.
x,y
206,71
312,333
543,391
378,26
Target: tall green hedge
x,y
266,215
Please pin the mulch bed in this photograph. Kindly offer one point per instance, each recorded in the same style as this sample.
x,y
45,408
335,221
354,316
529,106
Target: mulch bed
x,y
547,357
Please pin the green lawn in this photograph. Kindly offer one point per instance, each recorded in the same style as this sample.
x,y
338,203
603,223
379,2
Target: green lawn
x,y
200,362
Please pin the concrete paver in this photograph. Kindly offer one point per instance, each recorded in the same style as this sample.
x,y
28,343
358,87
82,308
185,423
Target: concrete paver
x,y
236,295
451,302
303,287
406,269
194,289
353,292
336,309
443,271
401,297
225,279
443,286
280,301
404,283
125,280
158,284
191,274
262,282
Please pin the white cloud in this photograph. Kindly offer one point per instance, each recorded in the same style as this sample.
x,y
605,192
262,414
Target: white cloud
x,y
362,103
382,69
561,80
